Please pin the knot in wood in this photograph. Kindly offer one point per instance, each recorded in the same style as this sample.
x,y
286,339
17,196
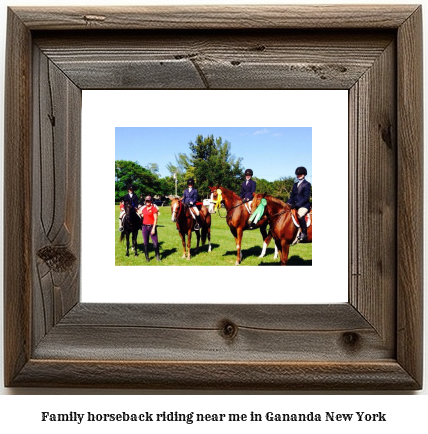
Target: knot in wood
x,y
228,330
351,340
58,259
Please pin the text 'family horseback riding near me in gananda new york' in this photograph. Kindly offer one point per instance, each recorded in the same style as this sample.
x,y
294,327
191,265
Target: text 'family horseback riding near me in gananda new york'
x,y
191,417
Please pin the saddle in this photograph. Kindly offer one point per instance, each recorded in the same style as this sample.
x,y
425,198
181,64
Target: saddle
x,y
295,217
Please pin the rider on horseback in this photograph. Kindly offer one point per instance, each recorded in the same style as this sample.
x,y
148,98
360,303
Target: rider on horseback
x,y
248,187
189,198
130,197
299,199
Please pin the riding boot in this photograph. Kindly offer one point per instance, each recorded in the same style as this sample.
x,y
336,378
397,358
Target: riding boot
x,y
146,252
197,223
157,253
304,230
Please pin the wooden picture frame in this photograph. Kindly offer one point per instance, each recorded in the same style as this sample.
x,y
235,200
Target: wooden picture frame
x,y
372,342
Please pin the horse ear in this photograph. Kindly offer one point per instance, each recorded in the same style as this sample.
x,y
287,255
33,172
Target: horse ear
x,y
264,194
254,194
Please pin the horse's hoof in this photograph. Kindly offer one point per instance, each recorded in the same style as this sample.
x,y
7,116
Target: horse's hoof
x,y
236,263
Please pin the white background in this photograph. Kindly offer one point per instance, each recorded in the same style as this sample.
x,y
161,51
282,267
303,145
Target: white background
x,y
325,111
406,412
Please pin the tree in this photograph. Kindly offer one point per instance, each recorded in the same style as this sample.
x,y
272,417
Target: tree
x,y
282,188
213,164
143,180
264,186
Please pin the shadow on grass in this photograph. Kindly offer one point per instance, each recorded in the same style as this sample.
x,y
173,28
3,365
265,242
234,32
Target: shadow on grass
x,y
252,251
164,253
292,260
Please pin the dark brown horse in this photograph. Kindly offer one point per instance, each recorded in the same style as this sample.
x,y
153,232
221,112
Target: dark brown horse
x,y
280,217
237,217
180,214
131,226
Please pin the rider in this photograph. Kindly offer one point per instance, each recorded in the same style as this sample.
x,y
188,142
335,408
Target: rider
x,y
130,197
299,199
189,198
248,187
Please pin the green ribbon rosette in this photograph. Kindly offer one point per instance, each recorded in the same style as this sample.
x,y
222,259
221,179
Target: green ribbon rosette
x,y
257,214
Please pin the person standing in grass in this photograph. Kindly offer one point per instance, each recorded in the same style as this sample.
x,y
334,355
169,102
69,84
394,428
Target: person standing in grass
x,y
150,218
299,199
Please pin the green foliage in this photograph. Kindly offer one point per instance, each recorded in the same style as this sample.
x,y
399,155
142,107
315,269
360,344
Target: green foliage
x,y
144,181
282,188
213,164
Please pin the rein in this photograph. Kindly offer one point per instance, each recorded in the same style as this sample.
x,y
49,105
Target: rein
x,y
228,211
278,214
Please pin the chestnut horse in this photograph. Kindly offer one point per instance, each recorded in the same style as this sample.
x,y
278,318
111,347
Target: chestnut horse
x,y
237,217
180,215
131,226
282,227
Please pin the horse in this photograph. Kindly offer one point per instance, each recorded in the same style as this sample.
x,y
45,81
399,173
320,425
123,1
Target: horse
x,y
181,216
131,225
280,217
237,216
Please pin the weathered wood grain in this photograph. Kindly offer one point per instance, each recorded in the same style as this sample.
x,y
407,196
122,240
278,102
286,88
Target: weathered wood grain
x,y
56,194
246,17
410,194
17,219
373,154
372,342
216,59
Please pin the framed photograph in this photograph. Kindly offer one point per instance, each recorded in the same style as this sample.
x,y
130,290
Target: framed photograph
x,y
371,341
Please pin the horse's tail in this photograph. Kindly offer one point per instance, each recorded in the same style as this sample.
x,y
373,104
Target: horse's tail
x,y
122,236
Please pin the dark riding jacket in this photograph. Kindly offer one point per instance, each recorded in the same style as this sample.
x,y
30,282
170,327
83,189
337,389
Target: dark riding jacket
x,y
190,197
247,190
133,200
300,195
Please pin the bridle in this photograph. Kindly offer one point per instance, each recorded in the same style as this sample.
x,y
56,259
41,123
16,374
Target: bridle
x,y
177,212
278,214
228,210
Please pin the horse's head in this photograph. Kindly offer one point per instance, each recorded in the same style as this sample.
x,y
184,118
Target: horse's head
x,y
175,208
257,197
129,208
216,199
258,207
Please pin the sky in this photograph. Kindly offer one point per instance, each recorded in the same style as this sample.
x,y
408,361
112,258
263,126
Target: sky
x,y
271,152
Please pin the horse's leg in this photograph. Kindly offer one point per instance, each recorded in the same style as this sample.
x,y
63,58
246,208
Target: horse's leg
x,y
134,242
127,244
198,237
189,241
285,248
238,245
209,238
183,242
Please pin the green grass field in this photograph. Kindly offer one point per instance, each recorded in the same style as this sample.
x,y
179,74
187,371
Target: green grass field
x,y
222,244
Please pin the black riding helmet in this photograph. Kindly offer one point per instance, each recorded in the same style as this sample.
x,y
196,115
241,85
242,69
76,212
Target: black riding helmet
x,y
301,171
190,181
130,187
248,172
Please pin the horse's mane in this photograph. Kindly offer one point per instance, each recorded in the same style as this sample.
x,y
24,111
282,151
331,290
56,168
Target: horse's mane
x,y
276,201
234,195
